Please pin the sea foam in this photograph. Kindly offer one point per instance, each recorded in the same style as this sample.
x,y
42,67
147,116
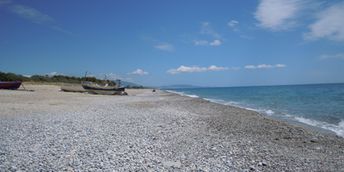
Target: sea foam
x,y
338,129
183,94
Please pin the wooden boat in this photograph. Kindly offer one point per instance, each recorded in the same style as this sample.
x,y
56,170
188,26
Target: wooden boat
x,y
10,85
73,88
94,88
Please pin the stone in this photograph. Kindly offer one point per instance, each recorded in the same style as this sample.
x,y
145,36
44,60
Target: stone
x,y
174,164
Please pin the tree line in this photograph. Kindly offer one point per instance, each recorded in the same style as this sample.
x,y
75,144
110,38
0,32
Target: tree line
x,y
46,78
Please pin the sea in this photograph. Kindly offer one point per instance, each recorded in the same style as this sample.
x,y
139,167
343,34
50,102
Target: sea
x,y
317,105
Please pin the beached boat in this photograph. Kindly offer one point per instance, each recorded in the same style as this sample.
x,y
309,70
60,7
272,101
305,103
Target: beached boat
x,y
106,89
73,88
10,85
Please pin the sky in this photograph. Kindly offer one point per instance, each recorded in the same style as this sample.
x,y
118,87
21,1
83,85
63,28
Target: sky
x,y
197,42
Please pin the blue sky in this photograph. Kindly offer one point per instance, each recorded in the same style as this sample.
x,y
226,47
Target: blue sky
x,y
207,43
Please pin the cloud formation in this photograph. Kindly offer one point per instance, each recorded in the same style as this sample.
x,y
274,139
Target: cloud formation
x,y
207,29
339,56
197,69
233,25
213,38
329,24
277,14
264,66
193,69
51,74
31,14
164,47
201,42
140,72
215,42
3,2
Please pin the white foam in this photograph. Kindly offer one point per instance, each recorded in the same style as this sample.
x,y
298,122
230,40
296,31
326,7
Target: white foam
x,y
338,129
230,103
269,112
191,95
219,101
183,94
175,92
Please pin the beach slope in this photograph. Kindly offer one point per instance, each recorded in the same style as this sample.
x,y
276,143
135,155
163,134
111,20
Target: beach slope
x,y
50,130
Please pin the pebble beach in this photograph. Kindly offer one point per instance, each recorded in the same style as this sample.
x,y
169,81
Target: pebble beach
x,y
50,130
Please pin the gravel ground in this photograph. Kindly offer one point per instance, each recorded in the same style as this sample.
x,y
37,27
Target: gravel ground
x,y
48,130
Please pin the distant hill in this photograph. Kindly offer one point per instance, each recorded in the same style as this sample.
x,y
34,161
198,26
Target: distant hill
x,y
179,86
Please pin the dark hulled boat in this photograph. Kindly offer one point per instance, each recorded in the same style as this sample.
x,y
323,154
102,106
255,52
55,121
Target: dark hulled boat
x,y
10,85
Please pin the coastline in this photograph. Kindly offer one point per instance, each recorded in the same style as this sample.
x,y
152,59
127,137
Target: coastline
x,y
310,124
53,130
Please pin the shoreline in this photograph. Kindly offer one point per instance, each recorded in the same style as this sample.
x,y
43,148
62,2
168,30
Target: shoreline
x,y
290,122
290,119
52,130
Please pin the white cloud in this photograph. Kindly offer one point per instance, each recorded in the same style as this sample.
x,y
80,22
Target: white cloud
x,y
233,25
339,56
216,42
213,38
4,2
165,47
277,14
329,24
250,67
51,74
201,42
280,65
29,76
216,68
193,69
206,29
139,72
264,66
31,14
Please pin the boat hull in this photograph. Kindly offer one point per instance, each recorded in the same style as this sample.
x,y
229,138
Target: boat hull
x,y
73,88
96,89
105,92
10,85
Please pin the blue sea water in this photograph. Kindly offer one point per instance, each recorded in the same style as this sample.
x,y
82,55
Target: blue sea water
x,y
319,105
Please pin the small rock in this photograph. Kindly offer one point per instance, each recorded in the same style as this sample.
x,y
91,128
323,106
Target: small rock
x,y
175,164
314,140
252,168
262,164
13,168
287,137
